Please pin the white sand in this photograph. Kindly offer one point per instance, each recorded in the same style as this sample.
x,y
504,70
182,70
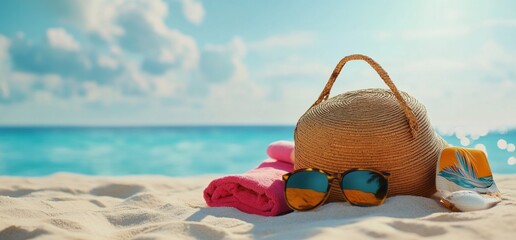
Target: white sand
x,y
66,206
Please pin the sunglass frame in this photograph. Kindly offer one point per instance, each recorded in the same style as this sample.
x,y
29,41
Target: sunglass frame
x,y
332,177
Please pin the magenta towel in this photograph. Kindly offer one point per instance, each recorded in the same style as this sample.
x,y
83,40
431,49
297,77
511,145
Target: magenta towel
x,y
258,191
281,150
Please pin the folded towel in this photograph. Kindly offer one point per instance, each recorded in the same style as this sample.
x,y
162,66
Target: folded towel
x,y
281,150
258,191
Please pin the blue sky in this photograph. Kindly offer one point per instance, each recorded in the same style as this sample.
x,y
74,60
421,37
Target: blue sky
x,y
250,62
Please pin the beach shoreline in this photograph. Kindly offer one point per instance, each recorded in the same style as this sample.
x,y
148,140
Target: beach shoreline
x,y
71,206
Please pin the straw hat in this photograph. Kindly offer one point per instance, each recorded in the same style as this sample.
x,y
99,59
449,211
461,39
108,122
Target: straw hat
x,y
383,129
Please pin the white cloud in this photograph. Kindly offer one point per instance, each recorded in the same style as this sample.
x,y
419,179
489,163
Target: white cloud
x,y
4,55
433,33
146,33
4,89
449,22
107,62
290,40
469,94
239,50
4,47
60,39
52,81
94,93
237,91
95,16
500,23
135,32
295,66
16,86
193,11
169,85
166,88
184,46
138,27
453,29
224,62
442,32
115,49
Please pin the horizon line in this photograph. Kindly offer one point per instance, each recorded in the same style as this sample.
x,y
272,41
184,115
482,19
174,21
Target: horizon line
x,y
220,125
139,125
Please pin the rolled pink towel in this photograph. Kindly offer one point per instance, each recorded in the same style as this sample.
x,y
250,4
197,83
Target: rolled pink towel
x,y
281,150
258,191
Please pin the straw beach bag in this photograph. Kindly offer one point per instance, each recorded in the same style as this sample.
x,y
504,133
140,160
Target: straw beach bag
x,y
387,130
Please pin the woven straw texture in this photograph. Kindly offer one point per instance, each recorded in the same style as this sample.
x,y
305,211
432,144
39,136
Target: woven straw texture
x,y
387,130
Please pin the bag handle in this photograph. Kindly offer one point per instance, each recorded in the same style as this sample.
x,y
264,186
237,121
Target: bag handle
x,y
325,94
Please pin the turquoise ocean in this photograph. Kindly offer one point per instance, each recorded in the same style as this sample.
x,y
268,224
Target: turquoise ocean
x,y
171,151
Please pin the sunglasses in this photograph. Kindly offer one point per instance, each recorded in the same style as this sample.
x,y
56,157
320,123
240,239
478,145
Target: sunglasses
x,y
308,188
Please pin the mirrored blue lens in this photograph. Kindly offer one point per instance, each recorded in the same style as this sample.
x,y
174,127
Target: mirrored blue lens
x,y
363,187
305,190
